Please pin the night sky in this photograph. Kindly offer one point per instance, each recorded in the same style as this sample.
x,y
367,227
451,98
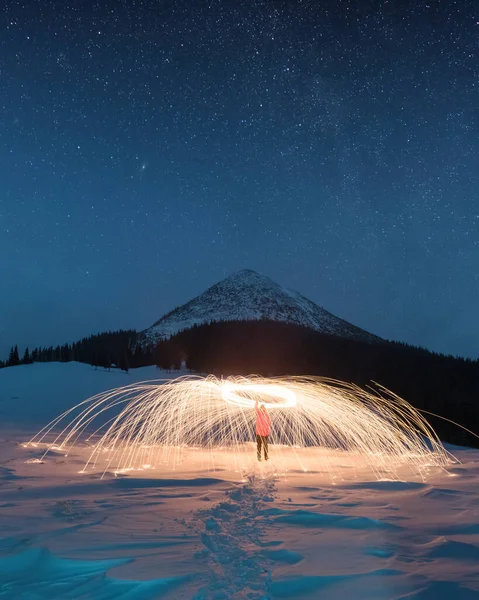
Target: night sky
x,y
150,148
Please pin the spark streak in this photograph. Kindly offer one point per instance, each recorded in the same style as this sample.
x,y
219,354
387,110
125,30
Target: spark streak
x,y
146,424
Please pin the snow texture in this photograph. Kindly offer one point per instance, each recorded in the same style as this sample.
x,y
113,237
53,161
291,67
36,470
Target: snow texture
x,y
193,533
248,296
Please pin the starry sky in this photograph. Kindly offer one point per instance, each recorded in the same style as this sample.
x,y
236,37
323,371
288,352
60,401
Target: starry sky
x,y
149,148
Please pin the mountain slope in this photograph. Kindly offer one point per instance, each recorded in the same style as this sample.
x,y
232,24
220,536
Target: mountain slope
x,y
249,296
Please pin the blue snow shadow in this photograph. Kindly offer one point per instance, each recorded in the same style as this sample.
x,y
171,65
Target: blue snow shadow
x,y
445,493
386,485
7,474
459,529
288,557
298,586
36,573
381,584
451,549
443,590
142,483
306,518
380,552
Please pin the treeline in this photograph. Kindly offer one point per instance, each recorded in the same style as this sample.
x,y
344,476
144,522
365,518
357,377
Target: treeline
x,y
110,349
432,382
436,383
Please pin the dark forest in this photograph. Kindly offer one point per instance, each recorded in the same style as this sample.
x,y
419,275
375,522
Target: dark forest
x,y
445,385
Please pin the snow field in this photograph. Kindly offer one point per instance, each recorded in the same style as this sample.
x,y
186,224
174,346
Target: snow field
x,y
264,531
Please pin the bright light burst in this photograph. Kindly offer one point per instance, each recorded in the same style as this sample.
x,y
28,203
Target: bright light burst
x,y
143,425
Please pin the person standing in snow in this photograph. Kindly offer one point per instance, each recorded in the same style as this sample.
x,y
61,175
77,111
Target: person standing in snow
x,y
263,426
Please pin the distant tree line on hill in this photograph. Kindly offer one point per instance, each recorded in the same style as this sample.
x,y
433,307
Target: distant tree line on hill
x,y
436,383
110,349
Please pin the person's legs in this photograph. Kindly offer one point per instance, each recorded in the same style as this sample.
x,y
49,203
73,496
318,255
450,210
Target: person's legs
x,y
265,446
258,446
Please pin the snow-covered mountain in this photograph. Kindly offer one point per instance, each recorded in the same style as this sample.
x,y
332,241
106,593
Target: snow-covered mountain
x,y
249,296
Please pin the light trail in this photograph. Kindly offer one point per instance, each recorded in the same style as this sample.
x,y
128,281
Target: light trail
x,y
283,397
147,424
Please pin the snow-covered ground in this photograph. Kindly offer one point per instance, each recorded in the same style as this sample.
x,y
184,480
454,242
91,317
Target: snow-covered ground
x,y
209,531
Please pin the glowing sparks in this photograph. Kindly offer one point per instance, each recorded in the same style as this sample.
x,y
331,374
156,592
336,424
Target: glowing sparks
x,y
245,395
145,425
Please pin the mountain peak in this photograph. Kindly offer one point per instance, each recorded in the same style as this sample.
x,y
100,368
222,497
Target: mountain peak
x,y
246,275
249,296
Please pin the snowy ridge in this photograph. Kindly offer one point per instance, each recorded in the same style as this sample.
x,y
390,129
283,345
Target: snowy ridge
x,y
249,296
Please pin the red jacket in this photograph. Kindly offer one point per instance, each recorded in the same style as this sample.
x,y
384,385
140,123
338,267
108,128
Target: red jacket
x,y
263,422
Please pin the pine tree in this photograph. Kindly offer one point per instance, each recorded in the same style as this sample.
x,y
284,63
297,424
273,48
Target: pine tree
x,y
138,357
13,358
26,357
123,362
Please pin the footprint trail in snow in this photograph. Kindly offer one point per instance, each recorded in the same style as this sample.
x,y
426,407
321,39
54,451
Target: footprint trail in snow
x,y
232,534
